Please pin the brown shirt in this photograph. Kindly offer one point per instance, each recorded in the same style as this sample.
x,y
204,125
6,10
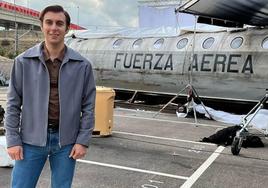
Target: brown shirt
x,y
53,69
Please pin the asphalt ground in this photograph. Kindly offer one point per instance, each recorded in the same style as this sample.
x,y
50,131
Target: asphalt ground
x,y
162,152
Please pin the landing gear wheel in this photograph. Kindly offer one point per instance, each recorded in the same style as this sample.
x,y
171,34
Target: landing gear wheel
x,y
236,145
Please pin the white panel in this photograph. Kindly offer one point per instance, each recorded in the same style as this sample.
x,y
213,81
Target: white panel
x,y
157,17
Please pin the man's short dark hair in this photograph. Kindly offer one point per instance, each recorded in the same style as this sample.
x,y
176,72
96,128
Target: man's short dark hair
x,y
55,9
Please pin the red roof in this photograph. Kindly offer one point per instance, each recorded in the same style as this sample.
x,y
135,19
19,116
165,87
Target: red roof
x,y
29,12
76,27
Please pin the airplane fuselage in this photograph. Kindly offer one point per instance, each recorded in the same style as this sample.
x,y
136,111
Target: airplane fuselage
x,y
218,71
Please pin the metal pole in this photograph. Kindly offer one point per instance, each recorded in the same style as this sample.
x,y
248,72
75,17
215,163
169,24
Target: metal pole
x,y
16,29
78,15
192,54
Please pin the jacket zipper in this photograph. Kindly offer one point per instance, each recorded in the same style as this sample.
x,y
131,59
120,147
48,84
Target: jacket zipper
x,y
48,81
59,99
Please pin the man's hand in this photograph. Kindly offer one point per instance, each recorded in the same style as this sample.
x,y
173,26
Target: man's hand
x,y
15,152
78,151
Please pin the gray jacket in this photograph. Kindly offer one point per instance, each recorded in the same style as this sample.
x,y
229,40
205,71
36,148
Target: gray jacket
x,y
26,115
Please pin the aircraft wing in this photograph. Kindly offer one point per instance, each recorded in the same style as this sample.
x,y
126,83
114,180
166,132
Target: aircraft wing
x,y
250,12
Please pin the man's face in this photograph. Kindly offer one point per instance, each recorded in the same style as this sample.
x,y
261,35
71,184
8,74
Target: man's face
x,y
54,27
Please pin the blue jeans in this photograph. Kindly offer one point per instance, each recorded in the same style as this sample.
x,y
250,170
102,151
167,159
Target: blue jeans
x,y
26,172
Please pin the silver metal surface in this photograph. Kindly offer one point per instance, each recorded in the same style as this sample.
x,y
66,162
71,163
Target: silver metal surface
x,y
218,72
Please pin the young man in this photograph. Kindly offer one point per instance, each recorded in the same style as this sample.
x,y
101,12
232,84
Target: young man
x,y
50,106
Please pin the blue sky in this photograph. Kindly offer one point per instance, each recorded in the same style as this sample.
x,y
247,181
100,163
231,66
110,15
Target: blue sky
x,y
91,13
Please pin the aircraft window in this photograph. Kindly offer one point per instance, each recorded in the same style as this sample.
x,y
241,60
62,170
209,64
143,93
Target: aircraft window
x,y
137,43
236,42
158,44
265,43
117,43
182,43
208,42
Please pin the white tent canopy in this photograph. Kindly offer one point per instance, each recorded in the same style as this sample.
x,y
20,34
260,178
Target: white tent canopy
x,y
142,32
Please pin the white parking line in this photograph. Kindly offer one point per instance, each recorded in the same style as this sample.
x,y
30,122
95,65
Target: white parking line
x,y
132,169
170,121
164,138
202,168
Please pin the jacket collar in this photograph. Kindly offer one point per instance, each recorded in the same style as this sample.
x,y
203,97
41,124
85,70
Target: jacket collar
x,y
37,52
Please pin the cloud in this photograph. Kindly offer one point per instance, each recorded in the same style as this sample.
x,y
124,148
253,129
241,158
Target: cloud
x,y
92,12
110,13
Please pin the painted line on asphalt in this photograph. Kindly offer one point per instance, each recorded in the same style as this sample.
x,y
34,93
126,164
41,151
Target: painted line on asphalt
x,y
170,121
164,138
192,179
132,169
